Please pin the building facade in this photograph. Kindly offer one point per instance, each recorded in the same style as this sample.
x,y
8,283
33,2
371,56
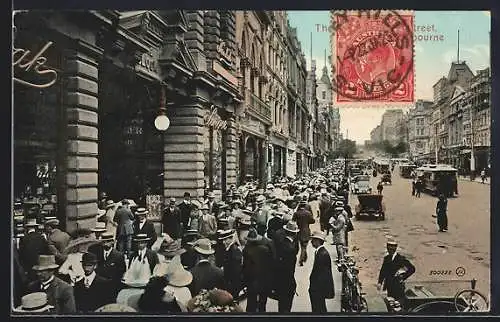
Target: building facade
x,y
419,130
329,116
390,126
376,135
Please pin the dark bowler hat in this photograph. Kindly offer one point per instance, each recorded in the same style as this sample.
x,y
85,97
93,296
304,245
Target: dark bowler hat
x,y
89,258
253,235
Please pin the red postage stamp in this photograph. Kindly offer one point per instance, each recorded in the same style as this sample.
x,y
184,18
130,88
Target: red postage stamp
x,y
373,56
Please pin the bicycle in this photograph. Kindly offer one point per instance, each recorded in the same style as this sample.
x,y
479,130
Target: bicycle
x,y
352,295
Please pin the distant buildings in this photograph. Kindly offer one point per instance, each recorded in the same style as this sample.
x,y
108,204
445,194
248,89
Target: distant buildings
x,y
457,124
392,128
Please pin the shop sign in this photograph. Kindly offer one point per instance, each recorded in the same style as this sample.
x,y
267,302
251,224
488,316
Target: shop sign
x,y
219,69
35,64
149,64
213,120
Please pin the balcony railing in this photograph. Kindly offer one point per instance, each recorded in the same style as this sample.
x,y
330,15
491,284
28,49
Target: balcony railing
x,y
258,106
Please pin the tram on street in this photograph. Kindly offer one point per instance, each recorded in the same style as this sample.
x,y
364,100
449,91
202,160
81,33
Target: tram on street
x,y
405,170
439,178
382,166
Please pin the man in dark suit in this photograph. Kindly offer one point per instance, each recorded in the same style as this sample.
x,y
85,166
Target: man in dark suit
x,y
185,208
258,271
303,218
321,279
31,246
144,226
172,220
395,269
324,206
190,257
59,293
275,223
93,291
125,227
232,263
287,248
205,274
111,263
143,252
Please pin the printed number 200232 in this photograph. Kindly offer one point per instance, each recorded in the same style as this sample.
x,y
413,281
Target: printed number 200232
x,y
441,272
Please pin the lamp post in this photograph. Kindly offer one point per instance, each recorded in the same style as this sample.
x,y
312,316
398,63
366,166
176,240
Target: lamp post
x,y
161,121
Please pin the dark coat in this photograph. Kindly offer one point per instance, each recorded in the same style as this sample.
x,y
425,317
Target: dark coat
x,y
274,224
233,263
258,265
113,267
30,247
150,255
441,206
125,220
324,206
171,222
304,218
149,229
286,252
206,276
321,278
92,298
185,210
59,294
190,257
389,269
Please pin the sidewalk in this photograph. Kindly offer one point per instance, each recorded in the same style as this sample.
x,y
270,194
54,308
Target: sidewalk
x,y
477,179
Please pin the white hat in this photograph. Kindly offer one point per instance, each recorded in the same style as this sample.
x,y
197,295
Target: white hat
x,y
34,302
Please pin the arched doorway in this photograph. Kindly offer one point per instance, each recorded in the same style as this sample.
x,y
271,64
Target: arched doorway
x,y
251,158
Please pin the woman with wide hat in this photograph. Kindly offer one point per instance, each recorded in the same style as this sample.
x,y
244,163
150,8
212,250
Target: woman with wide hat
x,y
178,279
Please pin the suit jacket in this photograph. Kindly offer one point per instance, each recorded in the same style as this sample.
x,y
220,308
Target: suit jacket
x,y
185,210
113,267
324,207
189,258
150,255
92,298
233,263
303,218
321,278
274,225
59,294
390,267
171,222
125,220
258,265
30,247
149,229
206,276
286,252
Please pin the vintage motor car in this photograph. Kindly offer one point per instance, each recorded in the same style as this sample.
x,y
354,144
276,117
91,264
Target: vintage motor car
x,y
361,184
370,205
386,178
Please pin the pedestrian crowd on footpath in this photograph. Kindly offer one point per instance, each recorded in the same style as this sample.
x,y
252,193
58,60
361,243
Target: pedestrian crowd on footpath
x,y
209,256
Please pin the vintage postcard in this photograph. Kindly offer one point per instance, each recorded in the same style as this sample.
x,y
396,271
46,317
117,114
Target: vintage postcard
x,y
184,161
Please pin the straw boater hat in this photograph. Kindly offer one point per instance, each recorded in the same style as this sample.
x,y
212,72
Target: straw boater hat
x,y
211,195
52,222
237,201
391,242
204,207
319,235
253,235
225,234
34,303
176,274
141,212
204,246
45,262
261,199
141,238
109,204
115,308
31,223
99,227
106,236
244,224
291,227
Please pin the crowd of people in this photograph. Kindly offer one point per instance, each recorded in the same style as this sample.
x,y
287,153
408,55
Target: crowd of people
x,y
247,245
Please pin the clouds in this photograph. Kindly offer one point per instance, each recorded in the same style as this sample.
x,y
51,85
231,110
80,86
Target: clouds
x,y
477,55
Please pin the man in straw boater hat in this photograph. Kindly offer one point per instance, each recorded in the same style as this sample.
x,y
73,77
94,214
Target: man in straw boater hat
x,y
124,219
59,293
242,230
287,248
143,255
34,303
321,279
31,246
231,262
99,228
258,271
205,274
261,215
185,207
395,269
111,263
303,218
93,291
144,226
58,240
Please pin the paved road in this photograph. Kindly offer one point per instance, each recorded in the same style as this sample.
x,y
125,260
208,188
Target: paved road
x,y
409,220
301,301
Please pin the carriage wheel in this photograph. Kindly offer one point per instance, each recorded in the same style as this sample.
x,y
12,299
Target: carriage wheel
x,y
474,301
435,307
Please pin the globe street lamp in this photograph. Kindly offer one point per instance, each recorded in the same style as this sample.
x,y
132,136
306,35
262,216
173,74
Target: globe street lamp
x,y
161,121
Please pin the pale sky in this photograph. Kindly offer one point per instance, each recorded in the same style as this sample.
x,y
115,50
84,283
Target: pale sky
x,y
432,58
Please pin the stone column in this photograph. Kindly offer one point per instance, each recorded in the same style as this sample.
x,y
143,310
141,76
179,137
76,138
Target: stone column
x,y
211,34
81,166
231,143
194,38
184,160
